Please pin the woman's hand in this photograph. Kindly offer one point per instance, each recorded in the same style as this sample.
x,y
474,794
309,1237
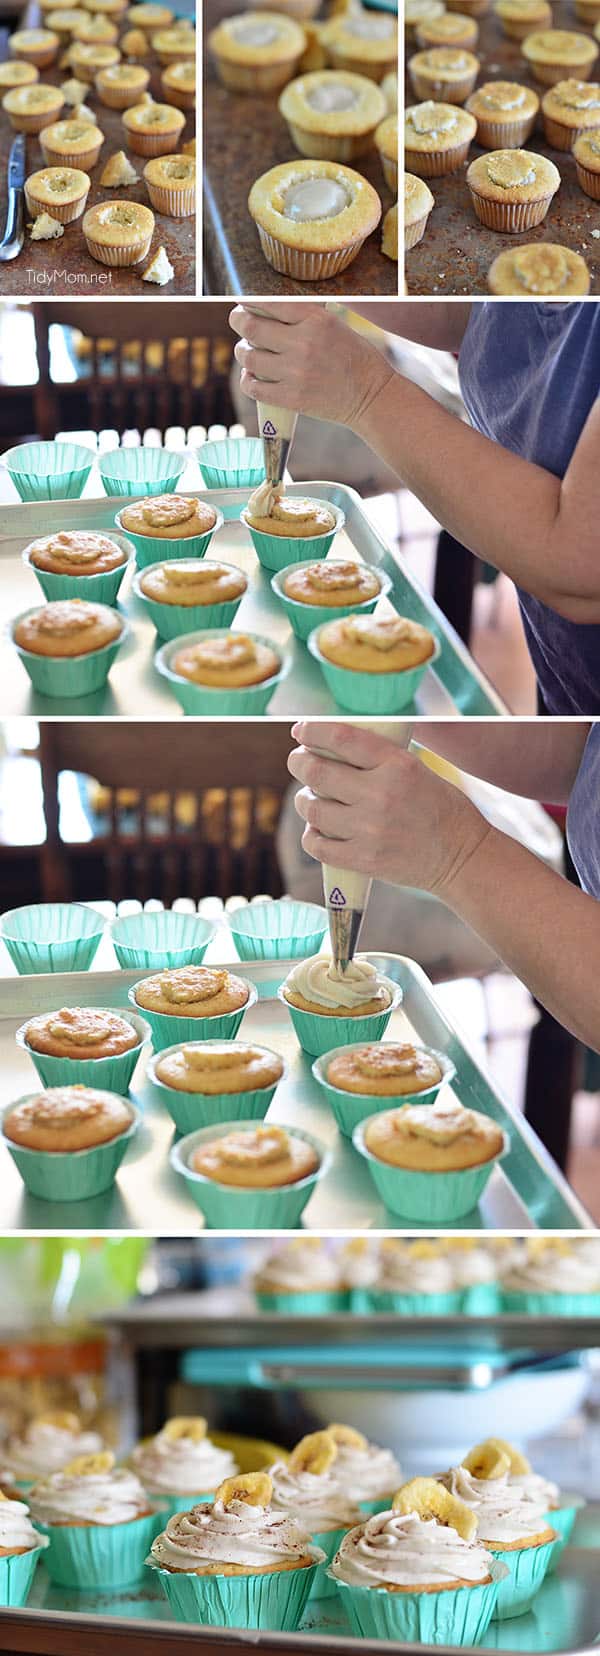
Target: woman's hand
x,y
313,361
375,808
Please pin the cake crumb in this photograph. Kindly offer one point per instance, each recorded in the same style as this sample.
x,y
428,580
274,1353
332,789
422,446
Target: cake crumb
x,y
159,270
45,228
118,170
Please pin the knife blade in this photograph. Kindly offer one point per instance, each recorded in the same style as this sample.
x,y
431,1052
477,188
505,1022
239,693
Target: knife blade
x,y
14,228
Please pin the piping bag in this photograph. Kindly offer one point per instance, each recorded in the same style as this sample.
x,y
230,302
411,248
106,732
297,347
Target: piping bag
x,y
277,425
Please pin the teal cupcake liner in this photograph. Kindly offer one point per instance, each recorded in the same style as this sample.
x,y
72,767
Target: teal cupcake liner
x,y
96,589
329,1542
313,1302
454,1616
526,1570
383,1504
160,939
432,1198
350,1109
280,929
140,471
380,693
173,620
233,463
318,1032
104,1556
49,471
304,618
226,1207
190,1110
72,1176
151,549
279,551
51,937
550,1305
169,1030
273,1602
170,1505
16,1576
69,675
111,1074
361,1303
200,699
562,1520
415,1305
481,1299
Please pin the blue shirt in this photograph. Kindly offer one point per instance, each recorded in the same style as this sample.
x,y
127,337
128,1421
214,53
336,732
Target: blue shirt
x,y
583,820
530,375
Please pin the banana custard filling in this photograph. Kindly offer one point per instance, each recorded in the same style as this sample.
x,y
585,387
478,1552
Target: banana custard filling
x,y
182,1460
443,1137
257,1158
216,1067
81,1032
385,1068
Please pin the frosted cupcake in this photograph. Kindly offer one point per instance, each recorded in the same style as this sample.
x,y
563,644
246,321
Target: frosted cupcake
x,y
358,1262
307,1486
181,1465
99,1521
415,1279
329,1007
552,1279
20,1548
561,1507
511,1521
303,1278
475,1273
46,1445
368,1473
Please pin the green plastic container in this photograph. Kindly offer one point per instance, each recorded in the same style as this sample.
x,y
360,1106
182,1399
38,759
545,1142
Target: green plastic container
x,y
190,1110
16,1576
49,471
170,1029
51,937
159,939
227,1208
526,1568
111,1074
351,1108
318,1032
279,551
213,704
372,693
303,618
280,929
171,620
95,589
69,675
273,1602
232,463
428,1198
140,471
100,1556
459,1616
151,549
75,1176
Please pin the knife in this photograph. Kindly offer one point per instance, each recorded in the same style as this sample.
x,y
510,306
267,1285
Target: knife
x,y
14,229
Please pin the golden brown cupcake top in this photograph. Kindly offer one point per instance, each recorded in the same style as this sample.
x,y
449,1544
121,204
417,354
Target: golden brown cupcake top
x,y
169,515
118,223
502,97
76,136
32,100
576,97
230,660
81,1032
333,582
540,268
279,514
514,175
178,171
368,643
153,117
214,1067
54,184
259,1159
587,150
386,1067
433,1137
555,46
69,626
94,56
180,75
445,62
33,40
76,551
191,582
67,1118
431,125
193,991
18,74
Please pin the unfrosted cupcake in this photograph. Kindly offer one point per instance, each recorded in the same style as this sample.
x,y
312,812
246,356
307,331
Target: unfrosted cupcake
x,y
307,1486
520,17
257,52
361,41
512,189
570,108
21,1547
193,1003
553,54
364,1470
46,1445
437,138
417,12
447,73
211,1081
302,1277
331,115
505,112
415,1279
450,29
552,1278
430,1164
511,1522
99,1521
181,1464
540,269
586,153
418,204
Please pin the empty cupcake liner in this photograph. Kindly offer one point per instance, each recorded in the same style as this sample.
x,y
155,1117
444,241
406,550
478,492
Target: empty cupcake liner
x,y
414,1305
16,1575
140,471
173,620
69,676
312,1302
273,1602
551,1305
103,1556
318,1032
526,1568
97,589
226,1207
234,463
49,471
432,1198
351,1108
51,937
281,929
190,1110
75,1175
456,1616
160,939
170,1028
112,1074
304,618
151,549
195,699
279,551
562,1520
371,693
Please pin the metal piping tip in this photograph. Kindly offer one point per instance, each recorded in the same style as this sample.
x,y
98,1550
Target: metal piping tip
x,y
276,451
344,929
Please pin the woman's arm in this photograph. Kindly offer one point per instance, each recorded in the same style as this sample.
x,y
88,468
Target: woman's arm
x,y
537,760
441,326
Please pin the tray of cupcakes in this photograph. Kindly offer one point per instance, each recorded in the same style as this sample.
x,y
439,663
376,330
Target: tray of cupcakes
x,y
175,1093
214,602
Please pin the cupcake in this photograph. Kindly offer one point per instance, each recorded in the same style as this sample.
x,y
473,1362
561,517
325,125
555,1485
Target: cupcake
x,y
311,592
520,17
451,29
332,115
120,85
68,1143
302,1277
417,1573
285,528
20,1548
540,269
570,108
437,138
418,12
373,664
586,154
86,60
77,560
561,1508
190,592
171,184
153,129
175,44
118,233
312,217
552,55
415,1280
257,52
60,191
193,1003
358,1262
237,1562
512,189
386,143
433,1164
29,108
446,73
99,1522
418,204
178,84
181,1465
393,1072
511,1522
328,1006
365,1471
307,1485
476,1274
68,647
552,1279
361,41
18,73
37,46
168,526
222,672
91,1045
251,1176
506,113
46,1445
205,1082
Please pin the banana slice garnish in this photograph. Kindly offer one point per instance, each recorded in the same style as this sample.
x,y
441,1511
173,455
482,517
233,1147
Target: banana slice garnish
x,y
429,1499
519,1464
346,1437
486,1460
87,1466
63,1419
185,1426
314,1453
254,1488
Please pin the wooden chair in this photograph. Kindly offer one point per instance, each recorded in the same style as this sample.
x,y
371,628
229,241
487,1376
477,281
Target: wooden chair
x,y
233,777
178,375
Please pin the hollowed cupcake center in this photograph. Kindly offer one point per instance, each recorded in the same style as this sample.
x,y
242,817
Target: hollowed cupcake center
x,y
328,98
511,169
315,198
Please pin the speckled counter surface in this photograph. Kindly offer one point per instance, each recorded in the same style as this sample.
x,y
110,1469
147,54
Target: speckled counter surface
x,y
456,252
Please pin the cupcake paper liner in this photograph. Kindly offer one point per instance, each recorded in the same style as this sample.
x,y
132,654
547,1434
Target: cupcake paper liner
x,y
558,134
151,549
371,693
264,77
361,1303
51,937
166,938
323,146
201,699
382,1504
305,618
172,620
415,1305
551,1305
589,181
226,1207
504,134
75,1175
175,203
273,1602
140,471
279,551
313,1302
526,1570
304,266
279,930
49,471
562,1520
434,1198
318,1033
414,233
16,1576
190,1110
329,1542
481,1299
168,1029
459,1616
95,589
112,1074
234,463
105,1556
70,675
436,163
511,217
351,1108
120,258
65,211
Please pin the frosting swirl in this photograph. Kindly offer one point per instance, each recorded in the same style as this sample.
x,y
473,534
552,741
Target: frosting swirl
x,y
317,1497
182,1465
505,1512
302,1264
17,1533
552,1271
369,1473
418,1269
318,979
108,1497
45,1446
396,1549
240,1533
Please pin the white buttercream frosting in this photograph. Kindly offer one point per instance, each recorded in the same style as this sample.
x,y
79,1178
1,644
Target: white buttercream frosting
x,y
411,1273
318,980
17,1533
368,1473
552,1272
182,1466
396,1549
505,1513
263,499
44,1447
303,1264
251,1536
100,1498
537,1488
315,1497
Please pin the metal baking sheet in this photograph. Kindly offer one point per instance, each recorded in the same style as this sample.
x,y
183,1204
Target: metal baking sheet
x,y
456,251
526,1189
135,689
